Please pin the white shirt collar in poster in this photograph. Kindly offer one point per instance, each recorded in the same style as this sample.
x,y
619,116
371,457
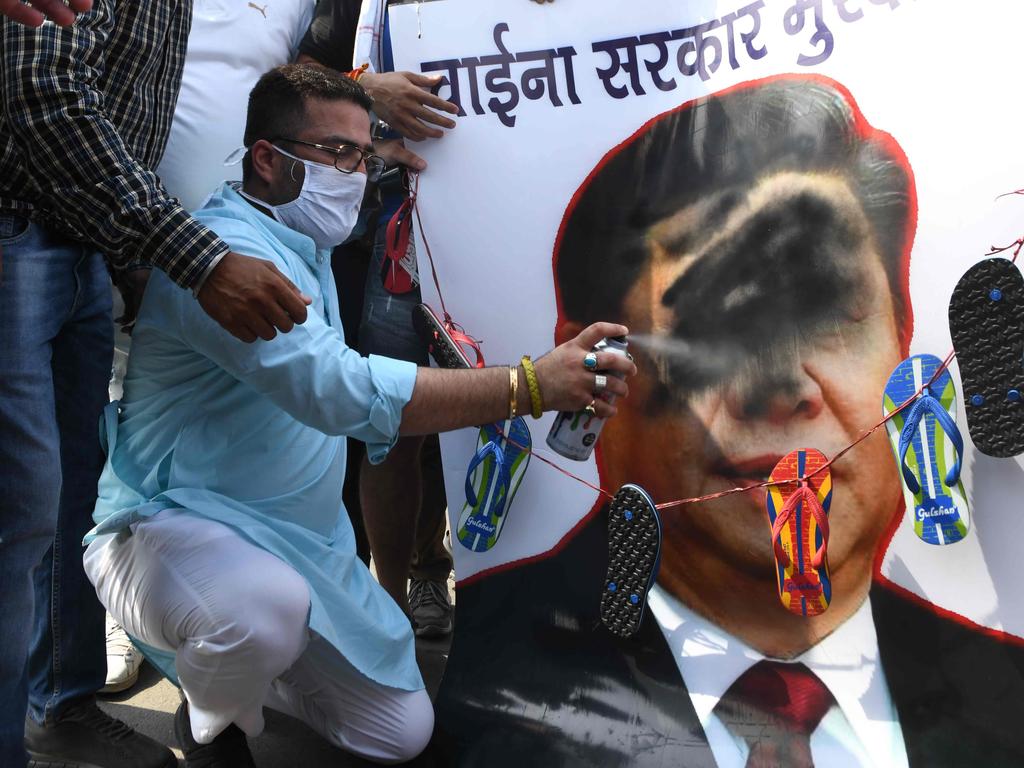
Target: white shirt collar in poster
x,y
863,731
231,44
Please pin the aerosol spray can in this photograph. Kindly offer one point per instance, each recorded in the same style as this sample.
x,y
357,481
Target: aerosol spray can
x,y
573,434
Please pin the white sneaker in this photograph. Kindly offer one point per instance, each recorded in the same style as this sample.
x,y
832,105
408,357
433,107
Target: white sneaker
x,y
123,660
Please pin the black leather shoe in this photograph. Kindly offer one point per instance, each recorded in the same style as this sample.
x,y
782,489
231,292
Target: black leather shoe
x,y
228,750
85,736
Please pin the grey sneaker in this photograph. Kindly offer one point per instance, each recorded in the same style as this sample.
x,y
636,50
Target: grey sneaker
x,y
431,607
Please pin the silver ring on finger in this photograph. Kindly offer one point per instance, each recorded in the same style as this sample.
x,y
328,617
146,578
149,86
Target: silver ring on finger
x,y
600,383
590,361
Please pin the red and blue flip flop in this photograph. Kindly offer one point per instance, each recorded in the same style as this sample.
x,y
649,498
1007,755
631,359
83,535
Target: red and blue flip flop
x,y
797,501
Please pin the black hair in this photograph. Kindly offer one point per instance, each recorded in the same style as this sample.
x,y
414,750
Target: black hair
x,y
713,151
277,103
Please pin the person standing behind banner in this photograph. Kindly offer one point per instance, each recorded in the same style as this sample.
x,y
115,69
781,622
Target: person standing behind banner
x,y
85,114
402,498
404,533
229,46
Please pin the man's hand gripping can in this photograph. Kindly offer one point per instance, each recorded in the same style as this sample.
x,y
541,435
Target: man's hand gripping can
x,y
573,434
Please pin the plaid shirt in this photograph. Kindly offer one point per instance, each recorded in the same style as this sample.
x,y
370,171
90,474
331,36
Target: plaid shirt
x,y
85,116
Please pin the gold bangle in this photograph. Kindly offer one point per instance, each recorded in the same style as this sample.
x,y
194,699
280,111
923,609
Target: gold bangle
x,y
513,391
536,402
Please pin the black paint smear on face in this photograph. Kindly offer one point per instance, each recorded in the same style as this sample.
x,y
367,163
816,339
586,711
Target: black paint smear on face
x,y
791,269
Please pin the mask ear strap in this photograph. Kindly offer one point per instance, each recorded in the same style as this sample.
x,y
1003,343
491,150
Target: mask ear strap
x,y
294,159
236,157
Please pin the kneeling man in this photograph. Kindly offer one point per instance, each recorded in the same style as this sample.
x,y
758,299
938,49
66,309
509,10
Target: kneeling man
x,y
221,540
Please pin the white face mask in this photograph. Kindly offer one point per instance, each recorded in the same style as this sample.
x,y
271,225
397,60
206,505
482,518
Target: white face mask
x,y
327,206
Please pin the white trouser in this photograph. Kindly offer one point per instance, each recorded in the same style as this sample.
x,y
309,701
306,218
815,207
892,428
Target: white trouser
x,y
235,616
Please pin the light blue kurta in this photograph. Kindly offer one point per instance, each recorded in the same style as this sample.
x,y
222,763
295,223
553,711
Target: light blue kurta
x,y
251,435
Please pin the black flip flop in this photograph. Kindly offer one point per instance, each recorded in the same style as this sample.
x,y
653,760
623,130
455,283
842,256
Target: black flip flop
x,y
440,342
634,553
986,321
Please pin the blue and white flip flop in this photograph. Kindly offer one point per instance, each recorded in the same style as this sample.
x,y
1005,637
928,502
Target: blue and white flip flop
x,y
929,449
492,480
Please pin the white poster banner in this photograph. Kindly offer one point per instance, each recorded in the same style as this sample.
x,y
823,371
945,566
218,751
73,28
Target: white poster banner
x,y
789,189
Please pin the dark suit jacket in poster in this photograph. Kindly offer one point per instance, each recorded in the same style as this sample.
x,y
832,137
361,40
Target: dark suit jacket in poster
x,y
535,681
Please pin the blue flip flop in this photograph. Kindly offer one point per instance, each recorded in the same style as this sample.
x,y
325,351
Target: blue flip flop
x,y
929,449
492,480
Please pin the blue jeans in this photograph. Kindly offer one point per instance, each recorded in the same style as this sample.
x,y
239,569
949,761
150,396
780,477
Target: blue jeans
x,y
56,342
386,327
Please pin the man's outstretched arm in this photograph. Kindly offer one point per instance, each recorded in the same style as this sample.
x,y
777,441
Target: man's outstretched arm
x,y
443,400
312,375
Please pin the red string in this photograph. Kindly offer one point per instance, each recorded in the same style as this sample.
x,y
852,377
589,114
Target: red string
x,y
456,331
414,196
744,489
557,466
889,416
1017,246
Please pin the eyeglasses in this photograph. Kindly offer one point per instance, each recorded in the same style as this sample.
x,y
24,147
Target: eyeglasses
x,y
348,158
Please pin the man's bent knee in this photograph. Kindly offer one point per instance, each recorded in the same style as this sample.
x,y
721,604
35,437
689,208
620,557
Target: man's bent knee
x,y
258,627
274,621
399,729
417,727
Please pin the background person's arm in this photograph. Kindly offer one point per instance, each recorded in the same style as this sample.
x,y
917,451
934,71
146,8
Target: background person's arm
x,y
405,102
401,99
82,173
35,12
